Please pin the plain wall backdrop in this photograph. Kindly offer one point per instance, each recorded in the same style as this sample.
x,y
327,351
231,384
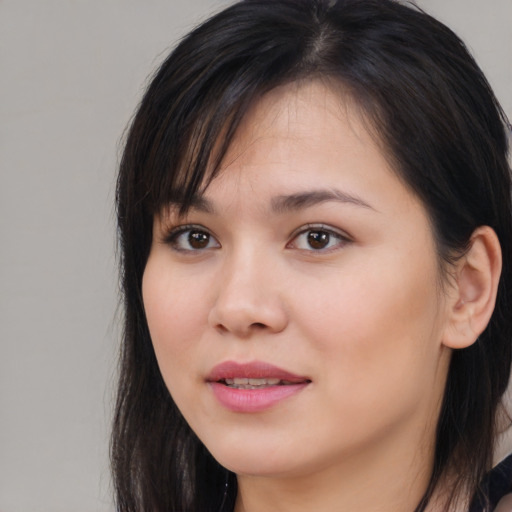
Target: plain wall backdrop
x,y
71,74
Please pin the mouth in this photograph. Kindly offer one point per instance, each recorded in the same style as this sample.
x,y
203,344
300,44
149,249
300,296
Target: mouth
x,y
246,383
253,387
255,374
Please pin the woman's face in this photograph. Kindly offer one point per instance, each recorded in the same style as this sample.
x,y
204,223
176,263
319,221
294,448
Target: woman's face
x,y
308,267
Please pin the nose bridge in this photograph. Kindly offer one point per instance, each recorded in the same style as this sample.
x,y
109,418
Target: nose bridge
x,y
248,295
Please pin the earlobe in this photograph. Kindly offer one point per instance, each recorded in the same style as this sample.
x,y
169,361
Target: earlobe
x,y
472,299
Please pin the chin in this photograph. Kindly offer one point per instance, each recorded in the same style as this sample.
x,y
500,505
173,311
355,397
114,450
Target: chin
x,y
256,460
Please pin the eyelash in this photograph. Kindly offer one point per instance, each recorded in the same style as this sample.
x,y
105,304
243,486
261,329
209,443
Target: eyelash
x,y
342,238
173,238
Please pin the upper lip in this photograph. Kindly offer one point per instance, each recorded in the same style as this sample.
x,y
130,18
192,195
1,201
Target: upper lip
x,y
252,370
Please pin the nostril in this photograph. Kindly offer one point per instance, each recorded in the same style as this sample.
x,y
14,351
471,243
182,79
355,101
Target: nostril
x,y
221,328
254,326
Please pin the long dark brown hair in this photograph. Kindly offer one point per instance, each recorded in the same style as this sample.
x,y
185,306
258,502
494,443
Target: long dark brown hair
x,y
435,114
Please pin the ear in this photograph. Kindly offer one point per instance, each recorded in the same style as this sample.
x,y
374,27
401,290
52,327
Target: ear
x,y
472,298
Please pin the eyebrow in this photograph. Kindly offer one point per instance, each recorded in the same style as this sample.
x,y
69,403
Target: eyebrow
x,y
291,202
286,203
196,202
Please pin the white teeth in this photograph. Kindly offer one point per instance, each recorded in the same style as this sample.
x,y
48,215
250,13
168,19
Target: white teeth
x,y
245,383
263,382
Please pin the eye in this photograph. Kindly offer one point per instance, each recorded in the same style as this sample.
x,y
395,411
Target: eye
x,y
191,238
318,238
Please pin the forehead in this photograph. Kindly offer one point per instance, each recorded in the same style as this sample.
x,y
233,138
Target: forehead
x,y
305,136
310,112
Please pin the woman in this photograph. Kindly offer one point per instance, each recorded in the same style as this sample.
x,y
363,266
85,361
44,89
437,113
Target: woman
x,y
315,223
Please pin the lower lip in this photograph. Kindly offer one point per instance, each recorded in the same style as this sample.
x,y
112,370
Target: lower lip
x,y
253,400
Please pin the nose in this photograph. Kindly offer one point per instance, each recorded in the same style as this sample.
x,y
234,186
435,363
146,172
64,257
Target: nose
x,y
249,297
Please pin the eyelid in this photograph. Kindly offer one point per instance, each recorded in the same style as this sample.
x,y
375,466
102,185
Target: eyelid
x,y
321,227
343,236
171,234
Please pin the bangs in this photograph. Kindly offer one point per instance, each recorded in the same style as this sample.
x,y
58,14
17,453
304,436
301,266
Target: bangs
x,y
199,95
183,172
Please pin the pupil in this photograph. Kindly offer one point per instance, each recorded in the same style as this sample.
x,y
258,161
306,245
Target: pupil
x,y
318,239
198,239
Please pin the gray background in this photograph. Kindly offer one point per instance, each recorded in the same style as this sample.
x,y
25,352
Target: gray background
x,y
71,74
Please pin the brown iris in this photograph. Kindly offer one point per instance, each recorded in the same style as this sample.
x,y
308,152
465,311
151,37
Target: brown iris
x,y
198,239
318,239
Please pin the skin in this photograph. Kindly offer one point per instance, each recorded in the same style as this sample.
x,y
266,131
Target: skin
x,y
364,318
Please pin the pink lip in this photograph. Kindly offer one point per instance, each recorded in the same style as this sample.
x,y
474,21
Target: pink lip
x,y
253,400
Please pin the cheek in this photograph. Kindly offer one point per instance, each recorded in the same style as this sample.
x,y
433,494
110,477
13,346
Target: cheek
x,y
175,312
378,331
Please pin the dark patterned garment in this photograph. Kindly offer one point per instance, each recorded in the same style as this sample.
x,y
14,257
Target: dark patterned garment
x,y
497,483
